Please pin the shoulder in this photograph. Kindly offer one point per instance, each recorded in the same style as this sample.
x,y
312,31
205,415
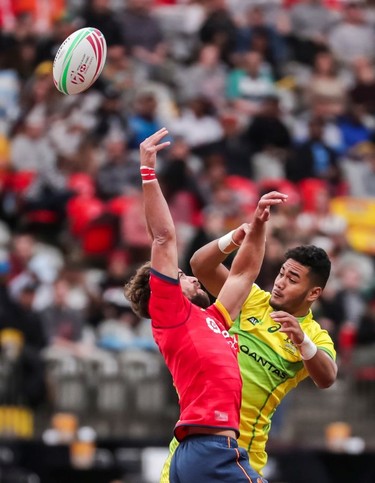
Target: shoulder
x,y
256,294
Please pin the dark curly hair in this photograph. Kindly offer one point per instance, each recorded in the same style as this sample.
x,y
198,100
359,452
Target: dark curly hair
x,y
137,290
316,259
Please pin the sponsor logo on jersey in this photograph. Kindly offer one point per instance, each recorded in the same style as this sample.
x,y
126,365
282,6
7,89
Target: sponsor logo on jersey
x,y
231,339
268,365
253,320
221,416
289,346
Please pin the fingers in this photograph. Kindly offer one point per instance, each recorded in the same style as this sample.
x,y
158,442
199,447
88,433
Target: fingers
x,y
272,198
265,215
153,140
280,314
275,195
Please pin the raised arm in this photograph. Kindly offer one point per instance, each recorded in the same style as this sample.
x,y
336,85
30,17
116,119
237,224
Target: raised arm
x,y
164,257
207,262
249,258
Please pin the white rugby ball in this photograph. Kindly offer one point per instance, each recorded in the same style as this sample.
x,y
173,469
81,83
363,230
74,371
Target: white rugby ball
x,y
79,60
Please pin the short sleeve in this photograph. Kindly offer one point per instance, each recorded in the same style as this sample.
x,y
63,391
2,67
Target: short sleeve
x,y
168,306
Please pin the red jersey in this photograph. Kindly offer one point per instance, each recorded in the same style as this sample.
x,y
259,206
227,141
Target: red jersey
x,y
200,354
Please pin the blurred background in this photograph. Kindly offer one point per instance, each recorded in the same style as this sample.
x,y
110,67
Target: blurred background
x,y
257,95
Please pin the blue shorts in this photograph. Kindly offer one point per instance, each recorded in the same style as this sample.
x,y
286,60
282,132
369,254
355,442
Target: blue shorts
x,y
211,459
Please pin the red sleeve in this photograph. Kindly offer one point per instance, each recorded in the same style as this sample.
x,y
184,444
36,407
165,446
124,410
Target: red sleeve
x,y
168,306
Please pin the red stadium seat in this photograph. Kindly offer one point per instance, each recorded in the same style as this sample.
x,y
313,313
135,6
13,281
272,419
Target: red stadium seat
x,y
99,237
119,205
42,216
81,210
246,189
284,186
82,184
19,181
309,188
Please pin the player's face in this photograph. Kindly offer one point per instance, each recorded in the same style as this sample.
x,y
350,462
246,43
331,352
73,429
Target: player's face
x,y
191,288
292,290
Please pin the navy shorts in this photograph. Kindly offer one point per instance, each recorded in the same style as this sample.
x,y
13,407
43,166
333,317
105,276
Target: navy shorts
x,y
211,459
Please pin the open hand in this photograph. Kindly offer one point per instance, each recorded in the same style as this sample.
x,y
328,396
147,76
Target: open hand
x,y
150,147
262,212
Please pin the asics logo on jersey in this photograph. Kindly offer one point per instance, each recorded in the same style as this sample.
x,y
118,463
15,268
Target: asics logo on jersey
x,y
263,361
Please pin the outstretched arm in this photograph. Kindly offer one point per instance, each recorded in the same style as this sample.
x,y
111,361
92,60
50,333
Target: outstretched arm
x,y
248,261
207,266
207,262
164,257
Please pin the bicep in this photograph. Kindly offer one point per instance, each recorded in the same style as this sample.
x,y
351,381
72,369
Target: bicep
x,y
214,280
234,293
164,258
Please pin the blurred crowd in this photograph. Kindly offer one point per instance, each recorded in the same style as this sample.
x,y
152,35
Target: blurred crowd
x,y
256,95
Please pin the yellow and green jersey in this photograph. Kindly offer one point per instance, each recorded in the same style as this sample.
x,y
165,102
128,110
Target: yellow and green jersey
x,y
270,365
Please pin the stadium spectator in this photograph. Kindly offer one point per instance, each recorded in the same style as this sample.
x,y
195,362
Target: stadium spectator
x,y
118,175
206,77
267,129
120,73
99,14
144,117
326,85
363,91
142,35
218,28
198,124
256,34
48,45
310,25
249,83
314,159
354,127
363,353
234,146
63,325
110,115
353,36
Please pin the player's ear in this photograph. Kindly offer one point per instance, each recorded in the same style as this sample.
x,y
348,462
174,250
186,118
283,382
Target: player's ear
x,y
314,294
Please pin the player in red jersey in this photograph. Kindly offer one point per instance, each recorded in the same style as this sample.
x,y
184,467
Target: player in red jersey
x,y
193,335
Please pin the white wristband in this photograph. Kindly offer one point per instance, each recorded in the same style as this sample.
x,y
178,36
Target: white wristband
x,y
307,348
225,241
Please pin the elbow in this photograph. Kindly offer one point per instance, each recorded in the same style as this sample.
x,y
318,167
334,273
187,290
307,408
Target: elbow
x,y
195,266
325,384
328,380
164,237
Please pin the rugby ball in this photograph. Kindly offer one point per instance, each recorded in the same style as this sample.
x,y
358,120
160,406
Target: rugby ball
x,y
79,60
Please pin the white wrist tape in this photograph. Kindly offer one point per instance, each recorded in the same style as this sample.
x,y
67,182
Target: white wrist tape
x,y
307,348
225,241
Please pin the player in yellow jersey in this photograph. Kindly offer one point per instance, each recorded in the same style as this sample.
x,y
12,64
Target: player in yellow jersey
x,y
280,343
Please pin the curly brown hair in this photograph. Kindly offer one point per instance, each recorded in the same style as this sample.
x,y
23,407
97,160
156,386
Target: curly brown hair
x,y
137,290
